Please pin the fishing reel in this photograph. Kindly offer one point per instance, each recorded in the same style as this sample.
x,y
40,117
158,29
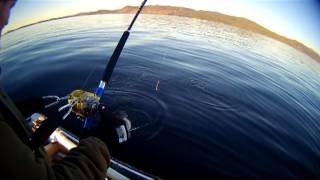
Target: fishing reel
x,y
85,103
80,102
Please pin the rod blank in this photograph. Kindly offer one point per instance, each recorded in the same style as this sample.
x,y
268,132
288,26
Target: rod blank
x,y
117,52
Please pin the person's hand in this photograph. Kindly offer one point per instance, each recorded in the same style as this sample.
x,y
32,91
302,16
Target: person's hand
x,y
53,150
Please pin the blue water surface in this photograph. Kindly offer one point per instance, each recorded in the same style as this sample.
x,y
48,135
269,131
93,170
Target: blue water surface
x,y
229,103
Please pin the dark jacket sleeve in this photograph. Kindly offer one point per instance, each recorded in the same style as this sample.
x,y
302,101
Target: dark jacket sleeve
x,y
88,161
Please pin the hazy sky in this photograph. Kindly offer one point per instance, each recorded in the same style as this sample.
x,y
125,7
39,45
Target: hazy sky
x,y
296,19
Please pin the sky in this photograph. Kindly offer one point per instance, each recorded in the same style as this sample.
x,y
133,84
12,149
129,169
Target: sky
x,y
295,19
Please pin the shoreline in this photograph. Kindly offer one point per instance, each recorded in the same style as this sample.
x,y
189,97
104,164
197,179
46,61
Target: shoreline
x,y
239,22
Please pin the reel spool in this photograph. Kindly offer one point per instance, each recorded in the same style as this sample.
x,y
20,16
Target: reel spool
x,y
84,103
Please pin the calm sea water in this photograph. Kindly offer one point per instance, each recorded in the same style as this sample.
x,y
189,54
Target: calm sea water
x,y
230,103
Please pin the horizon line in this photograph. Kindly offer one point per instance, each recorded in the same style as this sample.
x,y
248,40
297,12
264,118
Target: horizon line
x,y
114,10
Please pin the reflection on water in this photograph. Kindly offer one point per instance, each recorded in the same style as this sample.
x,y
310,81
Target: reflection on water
x,y
231,103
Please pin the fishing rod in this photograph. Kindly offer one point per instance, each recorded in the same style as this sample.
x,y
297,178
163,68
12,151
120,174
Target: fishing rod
x,y
116,54
82,103
113,60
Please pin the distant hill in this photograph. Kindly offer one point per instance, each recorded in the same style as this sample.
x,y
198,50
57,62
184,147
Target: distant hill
x,y
204,15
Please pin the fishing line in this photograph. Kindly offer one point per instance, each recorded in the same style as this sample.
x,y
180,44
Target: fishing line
x,y
140,127
89,77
